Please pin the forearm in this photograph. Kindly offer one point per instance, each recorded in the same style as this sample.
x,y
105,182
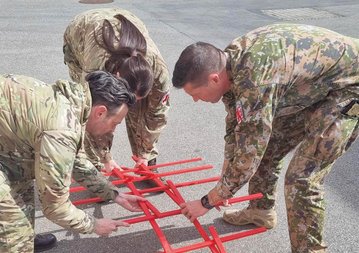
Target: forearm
x,y
246,159
228,185
66,215
88,176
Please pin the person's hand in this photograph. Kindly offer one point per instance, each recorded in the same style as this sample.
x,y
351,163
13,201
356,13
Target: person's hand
x,y
104,227
140,161
225,203
110,165
130,202
193,209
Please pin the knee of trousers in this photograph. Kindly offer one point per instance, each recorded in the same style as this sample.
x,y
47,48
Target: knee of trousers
x,y
303,192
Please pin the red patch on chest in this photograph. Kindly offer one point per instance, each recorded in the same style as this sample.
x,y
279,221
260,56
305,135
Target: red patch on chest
x,y
165,98
239,113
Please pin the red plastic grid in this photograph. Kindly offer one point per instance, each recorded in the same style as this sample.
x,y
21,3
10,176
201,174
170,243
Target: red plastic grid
x,y
151,213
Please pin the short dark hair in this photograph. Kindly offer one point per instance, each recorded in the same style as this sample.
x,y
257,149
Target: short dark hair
x,y
195,63
127,55
109,90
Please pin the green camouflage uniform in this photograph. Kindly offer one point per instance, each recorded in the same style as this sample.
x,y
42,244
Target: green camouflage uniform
x,y
290,85
82,54
41,132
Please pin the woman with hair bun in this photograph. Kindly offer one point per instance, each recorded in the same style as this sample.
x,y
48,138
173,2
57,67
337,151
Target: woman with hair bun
x,y
116,41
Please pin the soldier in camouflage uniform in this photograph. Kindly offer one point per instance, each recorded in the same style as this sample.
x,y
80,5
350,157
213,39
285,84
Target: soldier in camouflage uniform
x,y
283,86
86,50
41,137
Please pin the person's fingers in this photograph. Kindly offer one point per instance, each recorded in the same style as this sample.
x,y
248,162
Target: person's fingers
x,y
132,198
120,168
119,223
135,209
138,198
226,203
184,211
140,161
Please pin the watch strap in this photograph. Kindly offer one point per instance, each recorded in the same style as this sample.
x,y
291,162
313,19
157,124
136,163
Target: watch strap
x,y
205,202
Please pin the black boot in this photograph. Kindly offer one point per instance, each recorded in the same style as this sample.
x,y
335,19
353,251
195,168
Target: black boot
x,y
44,242
152,163
151,183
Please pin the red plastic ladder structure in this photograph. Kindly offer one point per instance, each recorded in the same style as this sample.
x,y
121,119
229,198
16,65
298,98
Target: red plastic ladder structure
x,y
213,240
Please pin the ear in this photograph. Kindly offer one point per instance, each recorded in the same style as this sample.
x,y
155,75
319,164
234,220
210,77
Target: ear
x,y
118,74
100,111
213,78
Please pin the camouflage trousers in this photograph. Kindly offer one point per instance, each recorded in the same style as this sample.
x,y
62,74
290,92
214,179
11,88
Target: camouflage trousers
x,y
133,125
320,134
17,215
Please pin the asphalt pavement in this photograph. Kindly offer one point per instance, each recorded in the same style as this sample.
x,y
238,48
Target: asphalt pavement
x,y
31,44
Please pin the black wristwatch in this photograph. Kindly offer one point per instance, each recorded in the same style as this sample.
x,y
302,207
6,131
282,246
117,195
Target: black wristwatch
x,y
205,202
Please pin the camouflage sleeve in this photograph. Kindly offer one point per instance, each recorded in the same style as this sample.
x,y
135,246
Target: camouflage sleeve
x,y
155,116
252,132
86,174
231,122
97,149
54,160
72,48
82,54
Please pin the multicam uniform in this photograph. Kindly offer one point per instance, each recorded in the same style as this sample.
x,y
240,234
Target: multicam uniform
x,y
148,117
292,85
41,133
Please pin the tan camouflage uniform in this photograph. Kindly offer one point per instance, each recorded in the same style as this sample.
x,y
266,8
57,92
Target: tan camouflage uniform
x,y
290,85
41,132
82,54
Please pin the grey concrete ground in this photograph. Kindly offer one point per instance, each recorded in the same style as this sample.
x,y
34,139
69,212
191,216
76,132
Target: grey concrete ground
x,y
31,44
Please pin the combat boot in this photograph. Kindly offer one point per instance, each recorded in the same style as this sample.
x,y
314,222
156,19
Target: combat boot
x,y
258,217
151,183
152,163
44,242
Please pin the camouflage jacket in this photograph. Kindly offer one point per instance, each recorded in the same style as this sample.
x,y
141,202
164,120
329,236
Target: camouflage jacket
x,y
41,133
83,55
278,70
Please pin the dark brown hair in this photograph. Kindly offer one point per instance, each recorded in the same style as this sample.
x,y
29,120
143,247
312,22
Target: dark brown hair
x,y
109,91
127,55
195,63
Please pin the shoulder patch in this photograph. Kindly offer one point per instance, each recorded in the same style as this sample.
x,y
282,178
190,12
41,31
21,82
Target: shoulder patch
x,y
165,98
239,112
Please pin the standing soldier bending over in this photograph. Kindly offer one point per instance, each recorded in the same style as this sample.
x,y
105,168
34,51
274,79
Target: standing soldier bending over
x,y
283,86
41,137
115,40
